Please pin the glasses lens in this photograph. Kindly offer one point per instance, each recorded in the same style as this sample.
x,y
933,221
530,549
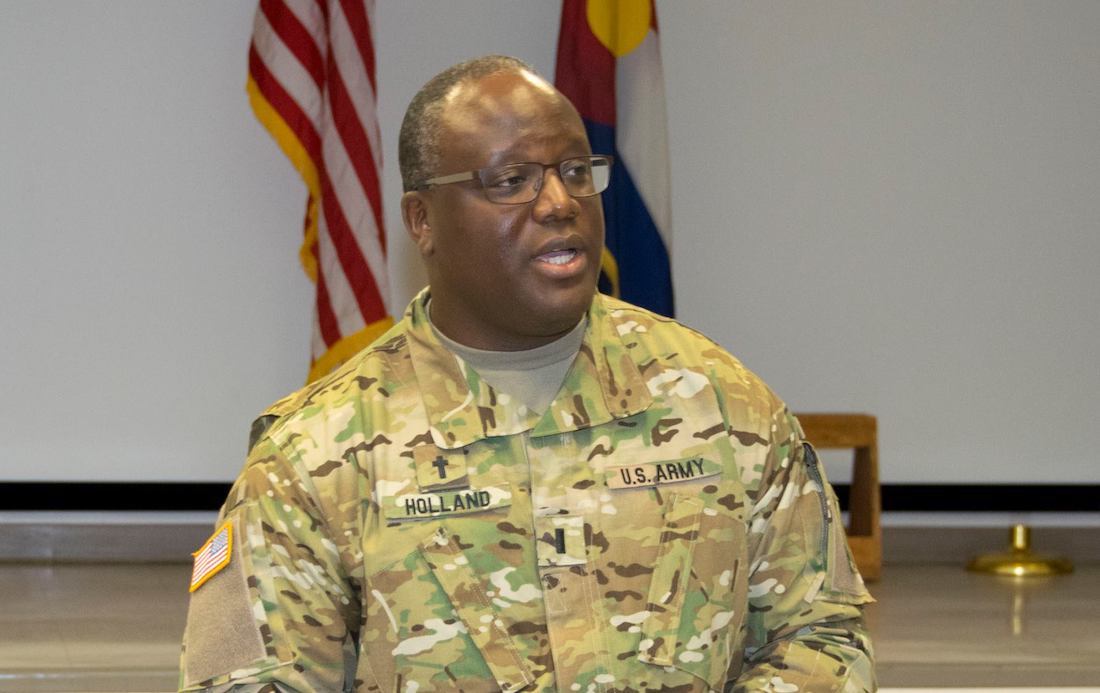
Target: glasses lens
x,y
586,175
512,184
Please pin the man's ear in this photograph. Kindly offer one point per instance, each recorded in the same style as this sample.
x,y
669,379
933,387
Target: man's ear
x,y
414,212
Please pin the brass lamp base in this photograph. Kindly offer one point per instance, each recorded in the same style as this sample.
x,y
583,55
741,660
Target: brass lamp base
x,y
1020,561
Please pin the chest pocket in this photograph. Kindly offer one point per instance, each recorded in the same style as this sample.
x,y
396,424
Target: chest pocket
x,y
697,594
448,622
676,562
450,567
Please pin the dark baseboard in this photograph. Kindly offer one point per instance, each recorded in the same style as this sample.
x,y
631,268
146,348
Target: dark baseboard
x,y
985,497
176,496
69,495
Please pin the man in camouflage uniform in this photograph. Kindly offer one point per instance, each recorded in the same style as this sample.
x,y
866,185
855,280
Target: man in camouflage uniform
x,y
525,486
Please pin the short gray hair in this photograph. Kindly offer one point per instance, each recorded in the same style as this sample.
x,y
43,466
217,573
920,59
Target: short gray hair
x,y
418,143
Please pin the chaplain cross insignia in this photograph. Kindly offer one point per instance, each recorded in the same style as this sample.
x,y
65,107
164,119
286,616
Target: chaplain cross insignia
x,y
441,465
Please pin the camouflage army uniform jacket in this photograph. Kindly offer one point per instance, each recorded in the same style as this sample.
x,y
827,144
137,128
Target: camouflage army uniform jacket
x,y
404,527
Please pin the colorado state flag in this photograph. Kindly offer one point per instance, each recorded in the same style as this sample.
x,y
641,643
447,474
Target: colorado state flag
x,y
609,65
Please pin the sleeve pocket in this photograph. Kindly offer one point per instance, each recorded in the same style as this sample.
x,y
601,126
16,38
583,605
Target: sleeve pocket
x,y
843,582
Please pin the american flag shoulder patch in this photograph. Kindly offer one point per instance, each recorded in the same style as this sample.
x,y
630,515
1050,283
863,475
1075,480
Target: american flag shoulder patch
x,y
213,556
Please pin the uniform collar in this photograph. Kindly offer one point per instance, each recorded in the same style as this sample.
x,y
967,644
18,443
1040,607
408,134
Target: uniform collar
x,y
603,384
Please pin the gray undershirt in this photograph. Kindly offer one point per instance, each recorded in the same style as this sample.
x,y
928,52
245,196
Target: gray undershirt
x,y
533,376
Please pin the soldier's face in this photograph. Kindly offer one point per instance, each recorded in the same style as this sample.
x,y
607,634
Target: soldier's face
x,y
502,276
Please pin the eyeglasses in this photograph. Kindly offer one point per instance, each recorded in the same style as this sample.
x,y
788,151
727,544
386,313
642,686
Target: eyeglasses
x,y
516,184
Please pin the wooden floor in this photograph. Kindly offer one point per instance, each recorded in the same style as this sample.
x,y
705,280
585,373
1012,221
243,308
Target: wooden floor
x,y
116,627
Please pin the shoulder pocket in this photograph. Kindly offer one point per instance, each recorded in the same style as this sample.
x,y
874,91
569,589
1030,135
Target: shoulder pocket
x,y
224,625
843,582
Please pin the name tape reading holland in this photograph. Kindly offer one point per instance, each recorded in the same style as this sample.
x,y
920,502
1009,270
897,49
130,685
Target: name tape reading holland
x,y
416,505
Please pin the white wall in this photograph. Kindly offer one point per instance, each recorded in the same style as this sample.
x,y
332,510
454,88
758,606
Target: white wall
x,y
879,206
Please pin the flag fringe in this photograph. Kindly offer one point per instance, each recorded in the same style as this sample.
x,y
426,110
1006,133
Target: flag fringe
x,y
610,269
292,147
347,347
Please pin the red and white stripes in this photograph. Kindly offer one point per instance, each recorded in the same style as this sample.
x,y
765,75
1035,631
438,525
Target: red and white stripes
x,y
312,84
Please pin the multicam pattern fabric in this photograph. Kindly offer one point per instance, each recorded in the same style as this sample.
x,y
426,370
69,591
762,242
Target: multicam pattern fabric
x,y
662,526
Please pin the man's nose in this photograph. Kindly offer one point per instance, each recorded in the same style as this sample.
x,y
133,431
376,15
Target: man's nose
x,y
553,201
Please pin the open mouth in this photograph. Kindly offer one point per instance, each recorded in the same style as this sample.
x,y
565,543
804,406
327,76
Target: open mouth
x,y
559,257
562,258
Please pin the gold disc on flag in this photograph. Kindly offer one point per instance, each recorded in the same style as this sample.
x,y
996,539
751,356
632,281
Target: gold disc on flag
x,y
621,25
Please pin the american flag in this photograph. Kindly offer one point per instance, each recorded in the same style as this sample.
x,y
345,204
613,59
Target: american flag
x,y
311,82
212,556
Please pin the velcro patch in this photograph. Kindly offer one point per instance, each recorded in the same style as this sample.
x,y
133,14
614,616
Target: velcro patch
x,y
440,470
213,556
560,540
416,506
667,472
